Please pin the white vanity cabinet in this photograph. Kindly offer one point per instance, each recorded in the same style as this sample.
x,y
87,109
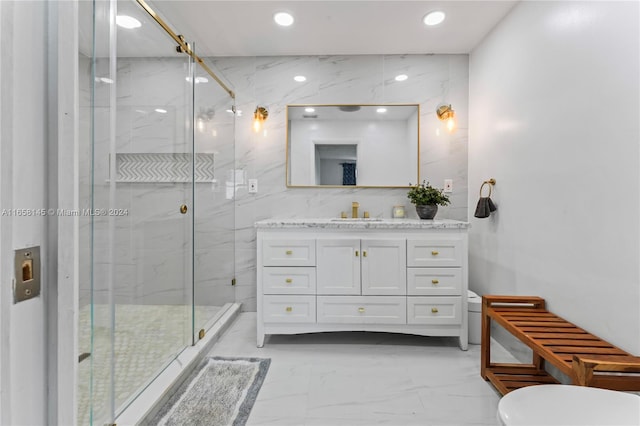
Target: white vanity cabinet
x,y
395,275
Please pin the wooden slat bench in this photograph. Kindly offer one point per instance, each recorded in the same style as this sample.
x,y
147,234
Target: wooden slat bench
x,y
585,358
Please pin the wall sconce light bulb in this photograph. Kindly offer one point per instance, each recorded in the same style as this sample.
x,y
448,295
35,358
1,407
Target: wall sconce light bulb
x,y
451,124
447,114
259,116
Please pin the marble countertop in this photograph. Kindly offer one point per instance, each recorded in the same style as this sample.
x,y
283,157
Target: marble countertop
x,y
373,223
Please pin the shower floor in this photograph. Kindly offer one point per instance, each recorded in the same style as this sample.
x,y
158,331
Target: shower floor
x,y
146,339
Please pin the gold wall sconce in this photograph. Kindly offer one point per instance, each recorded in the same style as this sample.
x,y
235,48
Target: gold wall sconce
x,y
446,113
259,116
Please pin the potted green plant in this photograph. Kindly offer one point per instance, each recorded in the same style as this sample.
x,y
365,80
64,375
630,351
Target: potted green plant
x,y
427,199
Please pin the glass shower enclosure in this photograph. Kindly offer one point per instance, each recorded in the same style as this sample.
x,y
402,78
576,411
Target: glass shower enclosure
x,y
156,191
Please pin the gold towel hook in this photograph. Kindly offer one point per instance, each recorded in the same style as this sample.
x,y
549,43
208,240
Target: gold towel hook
x,y
489,182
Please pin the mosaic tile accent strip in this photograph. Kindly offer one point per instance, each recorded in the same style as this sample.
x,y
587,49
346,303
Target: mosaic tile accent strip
x,y
163,167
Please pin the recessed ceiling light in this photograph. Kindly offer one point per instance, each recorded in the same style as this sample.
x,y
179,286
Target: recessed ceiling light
x,y
309,109
434,18
401,77
283,19
300,78
381,110
128,22
161,111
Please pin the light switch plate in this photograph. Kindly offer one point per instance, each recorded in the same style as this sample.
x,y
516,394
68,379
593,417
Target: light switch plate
x,y
448,185
253,186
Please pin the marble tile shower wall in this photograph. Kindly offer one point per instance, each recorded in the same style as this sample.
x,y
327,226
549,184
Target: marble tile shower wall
x,y
151,253
268,81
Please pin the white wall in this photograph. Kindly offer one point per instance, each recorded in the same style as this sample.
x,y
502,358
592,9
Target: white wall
x,y
554,108
37,131
23,164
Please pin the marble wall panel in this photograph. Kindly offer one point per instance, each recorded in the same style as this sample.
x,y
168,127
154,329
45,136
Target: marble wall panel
x,y
268,81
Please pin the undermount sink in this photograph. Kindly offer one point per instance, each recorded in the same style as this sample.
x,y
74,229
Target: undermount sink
x,y
357,219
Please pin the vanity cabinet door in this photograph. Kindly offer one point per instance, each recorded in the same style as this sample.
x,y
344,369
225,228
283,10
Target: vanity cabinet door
x,y
288,252
384,267
289,280
435,253
338,266
434,281
434,310
361,310
289,309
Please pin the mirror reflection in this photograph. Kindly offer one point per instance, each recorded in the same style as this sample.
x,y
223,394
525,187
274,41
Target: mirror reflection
x,y
352,145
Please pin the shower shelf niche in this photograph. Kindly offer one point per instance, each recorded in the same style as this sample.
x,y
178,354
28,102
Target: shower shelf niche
x,y
164,167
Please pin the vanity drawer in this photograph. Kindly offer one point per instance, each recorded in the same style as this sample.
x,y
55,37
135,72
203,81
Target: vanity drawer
x,y
289,280
289,252
434,253
434,281
362,309
434,310
288,309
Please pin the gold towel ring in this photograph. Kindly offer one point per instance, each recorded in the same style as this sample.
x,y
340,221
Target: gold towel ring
x,y
489,182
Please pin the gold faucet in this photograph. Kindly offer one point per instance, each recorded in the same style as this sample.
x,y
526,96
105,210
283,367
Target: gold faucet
x,y
354,209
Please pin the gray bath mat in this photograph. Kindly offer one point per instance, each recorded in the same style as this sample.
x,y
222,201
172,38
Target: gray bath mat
x,y
221,391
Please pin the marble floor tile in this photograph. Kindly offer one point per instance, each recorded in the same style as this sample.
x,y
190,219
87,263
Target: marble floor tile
x,y
355,378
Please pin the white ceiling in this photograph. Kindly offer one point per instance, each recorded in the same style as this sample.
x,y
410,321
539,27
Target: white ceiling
x,y
246,28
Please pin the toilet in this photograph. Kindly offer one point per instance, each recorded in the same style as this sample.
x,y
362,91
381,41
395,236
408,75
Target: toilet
x,y
474,303
566,405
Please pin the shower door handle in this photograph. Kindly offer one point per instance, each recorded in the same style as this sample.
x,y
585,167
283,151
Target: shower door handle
x,y
183,209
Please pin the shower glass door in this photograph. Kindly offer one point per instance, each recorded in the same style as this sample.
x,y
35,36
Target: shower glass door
x,y
139,304
214,189
157,188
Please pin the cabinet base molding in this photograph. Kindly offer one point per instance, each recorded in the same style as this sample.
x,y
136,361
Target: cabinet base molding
x,y
418,330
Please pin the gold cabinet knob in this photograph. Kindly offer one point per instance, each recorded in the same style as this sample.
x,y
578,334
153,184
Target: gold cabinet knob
x,y
289,252
288,309
357,253
361,310
434,310
434,253
434,281
364,253
288,280
183,209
